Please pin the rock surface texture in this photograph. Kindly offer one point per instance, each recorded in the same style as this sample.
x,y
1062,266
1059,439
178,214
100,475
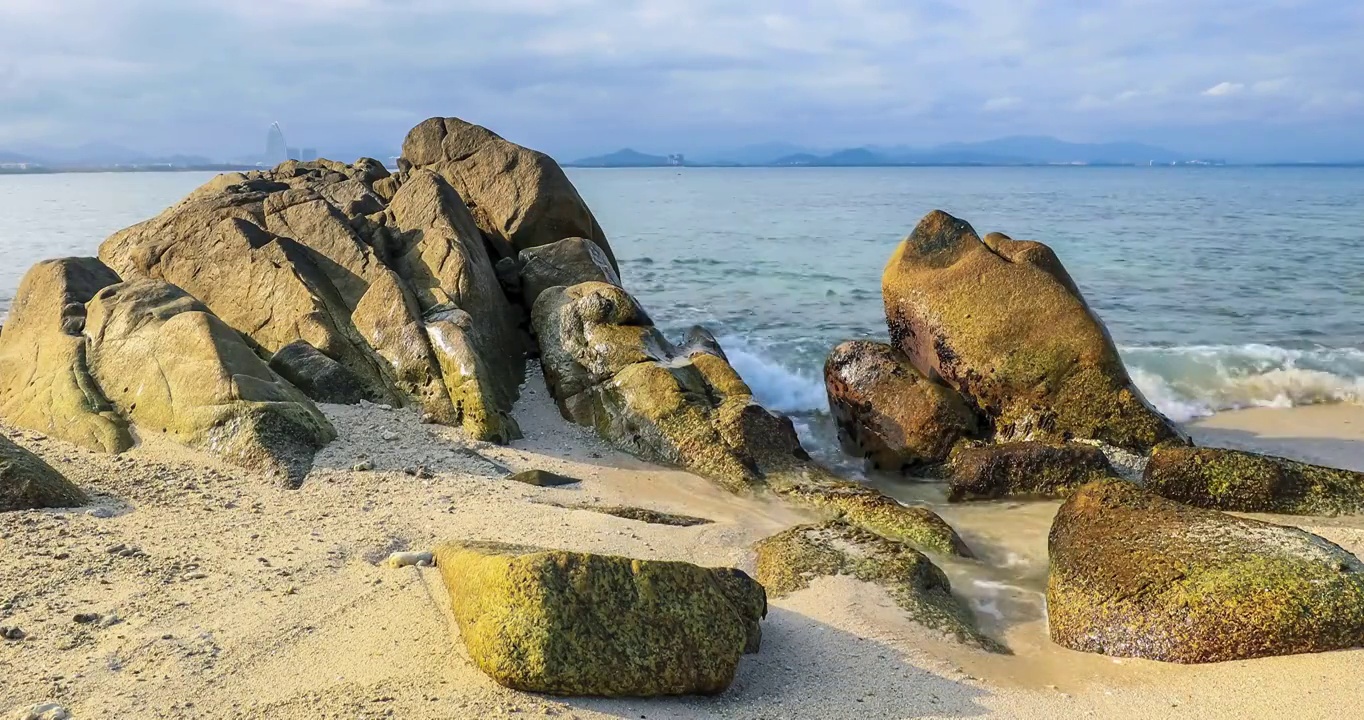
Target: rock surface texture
x,y
45,382
28,483
386,275
888,412
1001,322
171,366
1136,575
520,198
1027,469
1243,481
609,368
569,623
790,560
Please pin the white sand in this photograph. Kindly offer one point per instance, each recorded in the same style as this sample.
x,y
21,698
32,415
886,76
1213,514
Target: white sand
x,y
242,600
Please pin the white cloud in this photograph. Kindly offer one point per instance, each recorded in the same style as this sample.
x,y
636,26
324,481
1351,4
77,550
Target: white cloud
x,y
1224,89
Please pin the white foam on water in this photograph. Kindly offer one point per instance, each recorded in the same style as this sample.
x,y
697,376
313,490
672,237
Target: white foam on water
x,y
1196,381
775,386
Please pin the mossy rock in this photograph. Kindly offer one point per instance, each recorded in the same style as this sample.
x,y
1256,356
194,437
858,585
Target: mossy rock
x,y
45,382
1024,469
1137,575
644,515
1002,324
610,369
1223,479
790,560
869,509
568,623
28,483
888,412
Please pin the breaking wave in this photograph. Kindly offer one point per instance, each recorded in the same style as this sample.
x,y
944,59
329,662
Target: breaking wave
x,y
1185,383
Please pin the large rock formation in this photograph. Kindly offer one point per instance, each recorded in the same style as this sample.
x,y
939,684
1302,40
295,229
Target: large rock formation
x,y
27,483
1136,575
388,276
45,382
1224,479
520,198
609,368
169,365
565,262
568,623
1028,469
888,412
789,561
1002,323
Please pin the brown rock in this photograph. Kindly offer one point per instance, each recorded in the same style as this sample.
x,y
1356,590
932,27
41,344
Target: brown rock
x,y
519,197
1005,328
1028,469
28,483
888,412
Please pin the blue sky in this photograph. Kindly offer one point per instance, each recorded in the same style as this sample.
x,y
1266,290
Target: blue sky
x,y
1253,79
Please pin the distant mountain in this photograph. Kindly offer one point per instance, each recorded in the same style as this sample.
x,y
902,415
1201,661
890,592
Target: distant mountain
x,y
623,158
9,157
1050,150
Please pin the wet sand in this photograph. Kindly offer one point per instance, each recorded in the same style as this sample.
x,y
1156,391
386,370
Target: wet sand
x,y
237,599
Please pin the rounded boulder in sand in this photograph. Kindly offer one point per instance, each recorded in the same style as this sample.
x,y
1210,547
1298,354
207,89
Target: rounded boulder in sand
x,y
1136,575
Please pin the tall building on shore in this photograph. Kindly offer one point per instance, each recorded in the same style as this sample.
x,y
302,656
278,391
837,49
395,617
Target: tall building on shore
x,y
276,149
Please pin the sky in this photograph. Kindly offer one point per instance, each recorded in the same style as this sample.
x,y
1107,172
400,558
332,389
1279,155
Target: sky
x,y
1246,79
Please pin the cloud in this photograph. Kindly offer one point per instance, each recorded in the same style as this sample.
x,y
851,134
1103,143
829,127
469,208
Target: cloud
x,y
582,76
1223,89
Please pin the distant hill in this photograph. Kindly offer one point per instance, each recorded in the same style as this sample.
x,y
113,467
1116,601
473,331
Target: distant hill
x,y
1017,150
9,157
622,158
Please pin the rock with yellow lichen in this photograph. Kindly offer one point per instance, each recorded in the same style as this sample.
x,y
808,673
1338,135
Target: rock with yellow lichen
x,y
609,368
790,560
1001,322
1137,575
1224,479
569,623
1023,469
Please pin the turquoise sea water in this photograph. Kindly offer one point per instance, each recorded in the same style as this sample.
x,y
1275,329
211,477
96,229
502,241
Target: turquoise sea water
x,y
1224,287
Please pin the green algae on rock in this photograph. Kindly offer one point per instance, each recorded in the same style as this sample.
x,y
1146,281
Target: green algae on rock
x,y
644,515
1028,469
1223,479
1137,575
789,560
28,483
569,623
609,368
865,507
45,382
888,412
1003,325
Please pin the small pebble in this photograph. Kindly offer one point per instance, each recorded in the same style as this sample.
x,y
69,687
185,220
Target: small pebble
x,y
110,620
408,559
44,711
193,576
363,466
101,512
87,618
12,633
390,436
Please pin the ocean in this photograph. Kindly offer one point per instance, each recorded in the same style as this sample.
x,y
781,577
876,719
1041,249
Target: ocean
x,y
1223,287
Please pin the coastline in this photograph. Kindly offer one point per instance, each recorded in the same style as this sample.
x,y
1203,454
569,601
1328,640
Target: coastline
x,y
252,601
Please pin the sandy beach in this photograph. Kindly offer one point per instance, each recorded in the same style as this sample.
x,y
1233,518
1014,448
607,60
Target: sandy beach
x,y
220,595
